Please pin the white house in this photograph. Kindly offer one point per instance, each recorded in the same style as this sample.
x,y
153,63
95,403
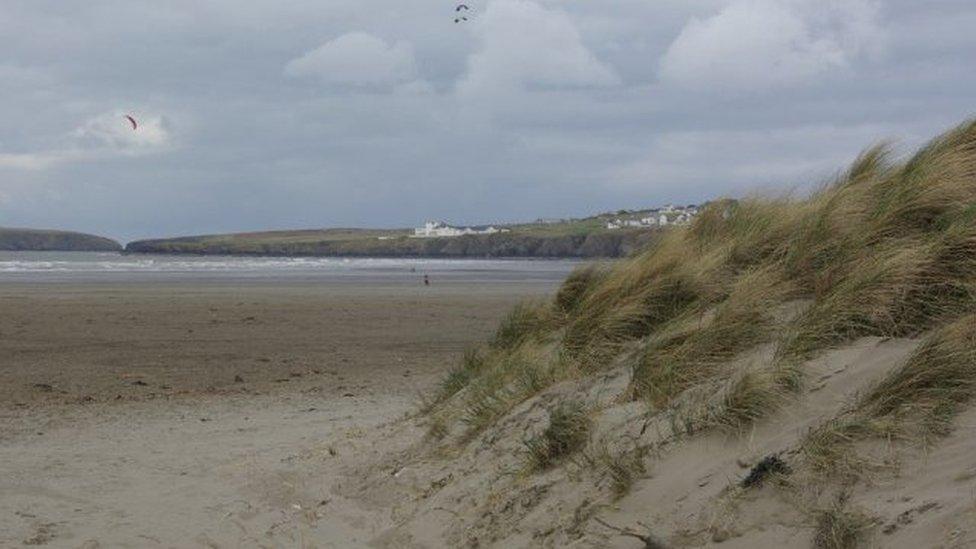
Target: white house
x,y
432,229
658,217
436,228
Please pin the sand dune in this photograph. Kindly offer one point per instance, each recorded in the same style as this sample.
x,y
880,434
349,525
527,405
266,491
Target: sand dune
x,y
482,498
302,470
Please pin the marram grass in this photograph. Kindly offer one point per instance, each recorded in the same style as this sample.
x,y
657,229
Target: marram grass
x,y
887,249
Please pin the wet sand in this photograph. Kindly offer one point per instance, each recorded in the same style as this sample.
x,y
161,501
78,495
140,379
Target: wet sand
x,y
167,414
79,343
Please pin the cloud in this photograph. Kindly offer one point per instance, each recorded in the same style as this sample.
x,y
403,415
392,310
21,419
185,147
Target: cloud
x,y
741,160
524,45
534,107
356,59
756,44
17,77
107,135
22,161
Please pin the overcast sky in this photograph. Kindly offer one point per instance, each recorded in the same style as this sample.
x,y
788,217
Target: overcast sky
x,y
261,114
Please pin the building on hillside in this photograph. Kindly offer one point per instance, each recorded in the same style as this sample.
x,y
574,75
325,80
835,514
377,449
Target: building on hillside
x,y
439,229
658,217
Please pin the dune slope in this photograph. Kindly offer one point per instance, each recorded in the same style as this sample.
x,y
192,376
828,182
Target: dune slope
x,y
780,373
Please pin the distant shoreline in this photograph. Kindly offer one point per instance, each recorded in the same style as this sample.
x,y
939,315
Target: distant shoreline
x,y
509,245
38,240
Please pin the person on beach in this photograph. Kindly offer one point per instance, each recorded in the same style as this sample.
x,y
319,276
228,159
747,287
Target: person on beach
x,y
426,280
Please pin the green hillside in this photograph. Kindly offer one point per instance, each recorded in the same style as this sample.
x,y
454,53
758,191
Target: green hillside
x,y
572,238
12,239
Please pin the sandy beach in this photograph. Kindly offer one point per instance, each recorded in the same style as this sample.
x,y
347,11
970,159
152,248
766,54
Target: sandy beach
x,y
137,341
174,414
255,408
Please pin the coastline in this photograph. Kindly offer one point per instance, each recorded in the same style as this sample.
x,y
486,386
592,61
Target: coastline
x,y
594,245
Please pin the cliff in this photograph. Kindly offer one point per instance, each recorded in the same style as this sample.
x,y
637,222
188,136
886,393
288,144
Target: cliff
x,y
369,244
41,240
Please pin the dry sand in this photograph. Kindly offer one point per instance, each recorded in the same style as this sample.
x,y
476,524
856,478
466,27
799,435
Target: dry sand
x,y
289,459
213,415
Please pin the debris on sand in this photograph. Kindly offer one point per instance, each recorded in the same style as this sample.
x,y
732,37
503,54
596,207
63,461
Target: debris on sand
x,y
43,535
650,542
44,387
238,379
140,383
769,465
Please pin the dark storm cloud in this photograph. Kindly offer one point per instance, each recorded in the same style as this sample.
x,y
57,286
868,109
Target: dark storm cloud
x,y
302,113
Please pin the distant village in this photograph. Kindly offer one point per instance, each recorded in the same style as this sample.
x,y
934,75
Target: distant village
x,y
439,229
657,217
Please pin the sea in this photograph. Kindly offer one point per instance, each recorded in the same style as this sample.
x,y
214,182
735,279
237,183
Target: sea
x,y
116,267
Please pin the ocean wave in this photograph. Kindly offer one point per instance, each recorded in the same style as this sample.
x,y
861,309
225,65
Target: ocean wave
x,y
75,262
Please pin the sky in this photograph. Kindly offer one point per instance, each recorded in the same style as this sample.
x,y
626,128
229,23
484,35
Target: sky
x,y
276,114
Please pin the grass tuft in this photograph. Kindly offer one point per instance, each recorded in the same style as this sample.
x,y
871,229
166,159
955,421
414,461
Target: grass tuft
x,y
838,527
741,322
916,401
752,396
626,469
567,432
576,287
524,321
457,378
935,382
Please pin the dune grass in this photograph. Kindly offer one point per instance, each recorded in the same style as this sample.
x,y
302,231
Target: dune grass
x,y
754,395
526,320
934,384
625,469
457,378
917,401
888,248
839,527
577,286
741,322
515,375
567,432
